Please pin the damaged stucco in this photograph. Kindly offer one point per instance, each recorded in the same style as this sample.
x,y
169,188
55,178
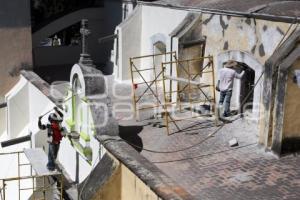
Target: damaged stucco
x,y
279,106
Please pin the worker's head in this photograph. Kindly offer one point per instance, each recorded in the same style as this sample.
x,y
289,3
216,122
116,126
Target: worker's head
x,y
231,64
53,117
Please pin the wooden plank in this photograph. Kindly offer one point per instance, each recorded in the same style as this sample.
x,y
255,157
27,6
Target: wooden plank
x,y
186,81
38,160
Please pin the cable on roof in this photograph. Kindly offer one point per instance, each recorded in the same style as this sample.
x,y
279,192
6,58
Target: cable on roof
x,y
204,155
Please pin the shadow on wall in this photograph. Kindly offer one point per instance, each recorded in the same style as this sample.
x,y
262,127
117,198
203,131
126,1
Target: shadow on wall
x,y
54,73
130,135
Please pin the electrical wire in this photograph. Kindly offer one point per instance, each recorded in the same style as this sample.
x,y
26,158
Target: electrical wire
x,y
213,133
175,151
204,155
178,150
186,148
200,142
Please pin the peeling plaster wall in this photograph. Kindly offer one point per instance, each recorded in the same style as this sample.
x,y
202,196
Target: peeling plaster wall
x,y
123,184
257,37
112,188
134,188
291,121
245,40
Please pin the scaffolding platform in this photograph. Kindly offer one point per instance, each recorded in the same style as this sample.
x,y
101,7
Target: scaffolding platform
x,y
188,78
38,160
39,176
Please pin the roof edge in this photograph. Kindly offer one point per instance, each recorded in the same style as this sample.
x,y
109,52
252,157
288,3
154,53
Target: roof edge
x,y
150,174
262,16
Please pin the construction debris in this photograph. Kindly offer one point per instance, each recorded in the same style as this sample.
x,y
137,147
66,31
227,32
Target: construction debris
x,y
233,142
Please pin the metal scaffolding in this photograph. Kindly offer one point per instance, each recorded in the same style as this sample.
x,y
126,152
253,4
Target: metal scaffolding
x,y
38,174
146,81
194,88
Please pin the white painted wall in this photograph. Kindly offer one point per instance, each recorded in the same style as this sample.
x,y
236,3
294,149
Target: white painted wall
x,y
25,103
36,103
3,113
158,23
138,32
17,109
158,20
129,43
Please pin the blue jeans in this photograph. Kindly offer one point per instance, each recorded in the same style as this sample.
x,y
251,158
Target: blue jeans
x,y
52,155
225,96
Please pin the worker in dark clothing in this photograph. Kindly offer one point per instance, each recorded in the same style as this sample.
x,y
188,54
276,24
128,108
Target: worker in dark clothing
x,y
56,131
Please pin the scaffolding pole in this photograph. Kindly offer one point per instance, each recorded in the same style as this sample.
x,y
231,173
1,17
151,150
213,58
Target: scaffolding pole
x,y
191,81
142,85
37,162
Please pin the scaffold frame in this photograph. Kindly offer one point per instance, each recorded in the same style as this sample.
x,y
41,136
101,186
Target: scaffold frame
x,y
191,79
35,189
157,78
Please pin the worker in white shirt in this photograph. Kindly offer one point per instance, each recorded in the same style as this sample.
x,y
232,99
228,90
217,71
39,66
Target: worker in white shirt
x,y
225,84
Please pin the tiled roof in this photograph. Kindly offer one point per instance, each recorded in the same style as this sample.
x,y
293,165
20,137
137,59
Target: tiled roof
x,y
263,7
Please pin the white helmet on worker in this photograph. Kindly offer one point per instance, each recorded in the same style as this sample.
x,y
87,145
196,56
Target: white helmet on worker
x,y
231,64
54,117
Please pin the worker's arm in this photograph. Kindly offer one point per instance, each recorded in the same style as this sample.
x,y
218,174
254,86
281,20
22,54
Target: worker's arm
x,y
41,126
239,75
63,131
58,112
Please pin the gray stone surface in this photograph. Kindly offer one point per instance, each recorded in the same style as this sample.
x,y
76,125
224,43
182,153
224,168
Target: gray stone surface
x,y
273,9
207,168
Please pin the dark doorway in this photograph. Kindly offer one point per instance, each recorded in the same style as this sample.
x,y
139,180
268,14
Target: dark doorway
x,y
247,88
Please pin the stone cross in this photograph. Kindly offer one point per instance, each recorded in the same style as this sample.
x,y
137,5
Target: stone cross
x,y
85,58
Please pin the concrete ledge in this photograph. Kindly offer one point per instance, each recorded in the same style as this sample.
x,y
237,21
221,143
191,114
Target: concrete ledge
x,y
38,82
152,176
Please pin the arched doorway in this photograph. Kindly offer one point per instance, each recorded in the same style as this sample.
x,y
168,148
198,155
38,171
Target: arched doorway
x,y
246,89
252,68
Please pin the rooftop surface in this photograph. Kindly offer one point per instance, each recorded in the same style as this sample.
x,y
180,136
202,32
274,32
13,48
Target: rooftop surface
x,y
207,167
268,7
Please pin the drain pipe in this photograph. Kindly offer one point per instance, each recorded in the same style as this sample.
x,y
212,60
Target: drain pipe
x,y
3,105
15,141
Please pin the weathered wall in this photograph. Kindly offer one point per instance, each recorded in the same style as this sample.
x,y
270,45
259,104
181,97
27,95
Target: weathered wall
x,y
112,189
291,121
134,188
124,185
258,37
245,40
15,39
